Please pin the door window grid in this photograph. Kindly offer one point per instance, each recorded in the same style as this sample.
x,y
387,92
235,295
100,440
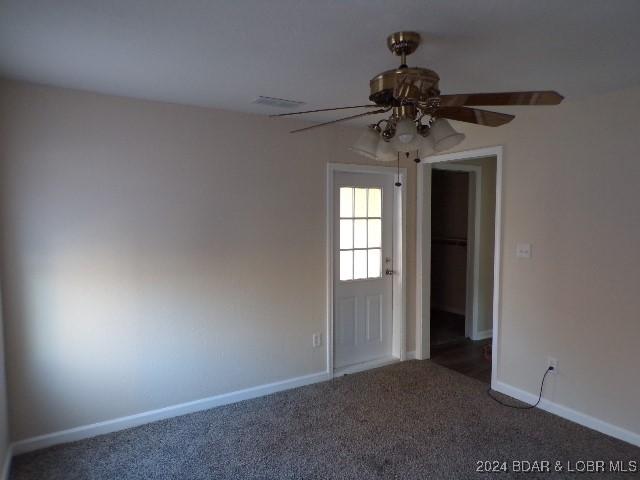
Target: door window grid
x,y
360,233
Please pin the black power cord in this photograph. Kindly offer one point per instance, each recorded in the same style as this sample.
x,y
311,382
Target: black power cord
x,y
518,407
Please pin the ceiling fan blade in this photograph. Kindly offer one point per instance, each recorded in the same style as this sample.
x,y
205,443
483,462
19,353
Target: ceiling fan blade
x,y
382,110
371,105
474,115
544,97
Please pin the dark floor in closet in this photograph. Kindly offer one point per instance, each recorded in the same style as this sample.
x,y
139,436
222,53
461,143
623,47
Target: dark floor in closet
x,y
467,357
450,348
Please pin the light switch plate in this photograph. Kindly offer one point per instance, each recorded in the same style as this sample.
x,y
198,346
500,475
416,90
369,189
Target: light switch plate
x,y
523,250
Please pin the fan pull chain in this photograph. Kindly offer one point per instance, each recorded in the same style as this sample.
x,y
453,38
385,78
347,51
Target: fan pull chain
x,y
398,184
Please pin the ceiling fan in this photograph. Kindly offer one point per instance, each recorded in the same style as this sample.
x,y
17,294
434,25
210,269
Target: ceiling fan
x,y
418,112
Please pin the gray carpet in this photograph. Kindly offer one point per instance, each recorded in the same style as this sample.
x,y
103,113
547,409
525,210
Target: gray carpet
x,y
414,420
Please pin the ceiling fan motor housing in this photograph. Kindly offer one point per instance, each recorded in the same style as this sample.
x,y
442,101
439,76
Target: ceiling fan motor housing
x,y
404,85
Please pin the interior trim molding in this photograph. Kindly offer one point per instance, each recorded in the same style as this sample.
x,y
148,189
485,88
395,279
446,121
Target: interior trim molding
x,y
482,334
411,355
108,426
423,252
569,413
6,464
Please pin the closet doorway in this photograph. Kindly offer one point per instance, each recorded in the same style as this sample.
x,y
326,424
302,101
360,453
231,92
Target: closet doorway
x,y
458,225
452,239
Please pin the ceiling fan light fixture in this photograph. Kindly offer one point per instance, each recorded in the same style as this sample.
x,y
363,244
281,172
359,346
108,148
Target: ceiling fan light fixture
x,y
367,143
386,152
405,131
412,94
426,146
411,146
444,136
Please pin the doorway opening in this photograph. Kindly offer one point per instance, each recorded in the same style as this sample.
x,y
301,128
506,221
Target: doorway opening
x,y
366,267
458,264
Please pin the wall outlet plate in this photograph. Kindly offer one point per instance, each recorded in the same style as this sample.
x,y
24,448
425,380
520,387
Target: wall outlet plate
x,y
316,339
523,250
552,362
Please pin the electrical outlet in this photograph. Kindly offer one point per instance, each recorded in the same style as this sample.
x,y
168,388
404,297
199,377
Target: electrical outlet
x,y
552,362
317,340
523,250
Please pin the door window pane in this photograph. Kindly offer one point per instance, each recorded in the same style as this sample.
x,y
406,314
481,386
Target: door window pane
x,y
359,264
346,265
360,234
375,263
360,202
346,234
374,236
346,202
375,202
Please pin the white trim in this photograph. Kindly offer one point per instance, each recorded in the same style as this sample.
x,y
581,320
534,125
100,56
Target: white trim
x,y
482,334
423,216
569,413
6,464
361,367
497,264
108,426
464,155
472,312
423,221
329,269
411,355
400,239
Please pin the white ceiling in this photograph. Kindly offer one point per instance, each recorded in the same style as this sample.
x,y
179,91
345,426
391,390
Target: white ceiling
x,y
225,53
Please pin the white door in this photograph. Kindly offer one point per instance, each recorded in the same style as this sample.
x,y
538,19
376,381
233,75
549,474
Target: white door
x,y
363,236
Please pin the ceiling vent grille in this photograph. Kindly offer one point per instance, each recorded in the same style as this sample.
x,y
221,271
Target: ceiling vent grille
x,y
277,102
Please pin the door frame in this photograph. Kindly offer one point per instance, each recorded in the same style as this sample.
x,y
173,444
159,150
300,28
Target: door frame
x,y
472,305
398,341
423,253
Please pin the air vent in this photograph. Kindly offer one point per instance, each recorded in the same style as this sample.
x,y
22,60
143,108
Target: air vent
x,y
277,102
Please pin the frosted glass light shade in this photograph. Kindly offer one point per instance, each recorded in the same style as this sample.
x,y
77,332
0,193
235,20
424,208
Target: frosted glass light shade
x,y
426,146
367,143
412,146
405,131
444,136
386,152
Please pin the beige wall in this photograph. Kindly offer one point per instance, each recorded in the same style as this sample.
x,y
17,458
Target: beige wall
x,y
157,254
160,253
571,189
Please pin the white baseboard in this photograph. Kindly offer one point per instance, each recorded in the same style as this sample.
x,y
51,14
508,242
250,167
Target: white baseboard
x,y
482,334
361,367
411,355
569,413
6,464
108,426
100,428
